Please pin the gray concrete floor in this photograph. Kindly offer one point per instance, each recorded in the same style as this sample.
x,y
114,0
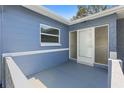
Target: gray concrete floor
x,y
73,75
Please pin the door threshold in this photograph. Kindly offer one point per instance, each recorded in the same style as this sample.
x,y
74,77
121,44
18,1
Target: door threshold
x,y
85,63
103,66
73,60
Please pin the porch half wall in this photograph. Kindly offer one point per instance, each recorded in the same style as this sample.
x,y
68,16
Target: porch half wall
x,y
111,21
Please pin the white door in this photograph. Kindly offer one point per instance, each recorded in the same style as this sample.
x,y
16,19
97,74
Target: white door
x,y
85,44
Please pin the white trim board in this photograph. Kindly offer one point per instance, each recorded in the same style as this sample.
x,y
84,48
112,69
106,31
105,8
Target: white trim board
x,y
50,44
33,52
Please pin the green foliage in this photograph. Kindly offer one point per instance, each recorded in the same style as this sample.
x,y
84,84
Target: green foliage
x,y
85,10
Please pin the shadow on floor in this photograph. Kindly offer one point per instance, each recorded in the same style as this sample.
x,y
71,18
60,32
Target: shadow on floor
x,y
0,86
73,75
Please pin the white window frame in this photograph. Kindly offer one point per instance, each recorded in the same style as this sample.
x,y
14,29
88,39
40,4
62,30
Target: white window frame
x,y
49,43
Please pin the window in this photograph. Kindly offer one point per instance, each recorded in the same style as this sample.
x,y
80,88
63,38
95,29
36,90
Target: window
x,y
50,36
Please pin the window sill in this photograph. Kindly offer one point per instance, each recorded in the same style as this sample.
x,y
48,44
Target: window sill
x,y
50,44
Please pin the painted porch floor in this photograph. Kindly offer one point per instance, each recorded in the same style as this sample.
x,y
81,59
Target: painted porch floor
x,y
0,86
73,75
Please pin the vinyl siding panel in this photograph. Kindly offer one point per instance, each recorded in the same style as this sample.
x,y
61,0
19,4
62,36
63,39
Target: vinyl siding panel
x,y
22,30
22,33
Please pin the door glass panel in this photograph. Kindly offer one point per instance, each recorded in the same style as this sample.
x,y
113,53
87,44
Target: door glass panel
x,y
85,43
101,45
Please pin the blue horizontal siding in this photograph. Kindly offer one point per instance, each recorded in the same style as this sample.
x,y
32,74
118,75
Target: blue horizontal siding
x,y
22,30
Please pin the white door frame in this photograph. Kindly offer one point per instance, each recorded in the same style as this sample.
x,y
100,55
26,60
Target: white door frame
x,y
94,42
